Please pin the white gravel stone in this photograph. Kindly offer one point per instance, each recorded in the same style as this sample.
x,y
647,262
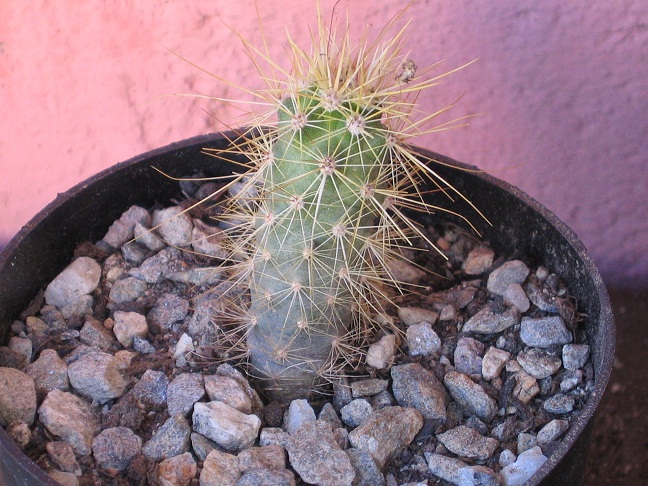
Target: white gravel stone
x,y
422,340
514,271
506,457
526,465
128,325
478,476
493,362
514,295
17,397
417,315
174,225
71,418
225,425
380,355
299,412
81,277
96,375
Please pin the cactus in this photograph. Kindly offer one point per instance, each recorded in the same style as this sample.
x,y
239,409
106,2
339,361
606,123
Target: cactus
x,y
314,225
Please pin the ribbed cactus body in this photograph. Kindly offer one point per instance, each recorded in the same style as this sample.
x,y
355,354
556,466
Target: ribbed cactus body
x,y
321,194
319,219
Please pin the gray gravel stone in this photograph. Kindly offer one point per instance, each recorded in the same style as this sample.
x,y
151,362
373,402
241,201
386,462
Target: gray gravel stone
x,y
368,387
356,412
127,289
478,476
526,465
17,397
122,229
49,372
202,446
538,363
367,472
299,413
267,477
444,467
386,432
543,332
526,441
468,356
183,391
488,321
317,457
328,414
229,428
153,269
201,277
115,448
94,333
552,431
174,226
422,340
151,389
470,395
81,277
559,404
96,375
575,356
467,442
273,435
170,439
414,386
71,418
570,380
144,236
511,272
168,310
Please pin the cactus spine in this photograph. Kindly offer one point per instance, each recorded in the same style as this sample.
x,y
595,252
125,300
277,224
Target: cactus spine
x,y
321,209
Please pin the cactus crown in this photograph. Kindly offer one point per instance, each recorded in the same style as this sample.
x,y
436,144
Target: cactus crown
x,y
317,220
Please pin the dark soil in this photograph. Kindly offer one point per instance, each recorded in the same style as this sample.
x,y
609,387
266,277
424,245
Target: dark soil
x,y
619,449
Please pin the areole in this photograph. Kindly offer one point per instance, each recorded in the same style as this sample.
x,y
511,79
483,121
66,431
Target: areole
x,y
522,228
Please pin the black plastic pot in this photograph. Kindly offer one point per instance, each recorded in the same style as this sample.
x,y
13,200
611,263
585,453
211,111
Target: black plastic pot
x,y
521,228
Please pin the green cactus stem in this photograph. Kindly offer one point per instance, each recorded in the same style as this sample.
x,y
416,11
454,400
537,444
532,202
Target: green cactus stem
x,y
322,210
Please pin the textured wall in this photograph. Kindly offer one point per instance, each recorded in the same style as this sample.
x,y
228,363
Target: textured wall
x,y
562,88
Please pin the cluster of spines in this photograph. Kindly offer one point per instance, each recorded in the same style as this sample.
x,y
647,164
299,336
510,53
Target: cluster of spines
x,y
321,211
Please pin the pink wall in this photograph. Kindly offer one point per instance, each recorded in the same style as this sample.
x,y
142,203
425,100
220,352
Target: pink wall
x,y
563,88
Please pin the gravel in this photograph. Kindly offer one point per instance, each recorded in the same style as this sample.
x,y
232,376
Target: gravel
x,y
116,371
